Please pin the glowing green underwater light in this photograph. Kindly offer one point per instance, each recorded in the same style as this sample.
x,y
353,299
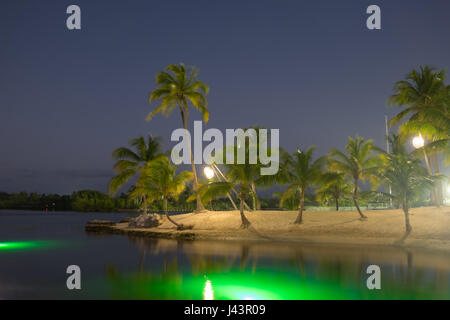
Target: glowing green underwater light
x,y
273,284
25,245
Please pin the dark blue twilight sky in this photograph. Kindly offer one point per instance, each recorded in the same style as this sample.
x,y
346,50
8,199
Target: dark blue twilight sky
x,y
310,68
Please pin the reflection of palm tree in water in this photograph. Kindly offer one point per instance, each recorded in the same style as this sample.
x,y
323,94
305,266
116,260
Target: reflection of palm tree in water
x,y
141,262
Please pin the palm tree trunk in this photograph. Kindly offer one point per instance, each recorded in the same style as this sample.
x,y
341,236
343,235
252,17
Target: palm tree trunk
x,y
253,201
336,200
408,227
232,189
145,204
200,206
257,203
300,208
245,223
439,193
179,226
355,194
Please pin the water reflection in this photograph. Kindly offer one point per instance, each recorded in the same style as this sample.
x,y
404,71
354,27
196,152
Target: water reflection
x,y
170,269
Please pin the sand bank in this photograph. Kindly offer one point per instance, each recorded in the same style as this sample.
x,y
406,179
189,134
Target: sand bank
x,y
431,227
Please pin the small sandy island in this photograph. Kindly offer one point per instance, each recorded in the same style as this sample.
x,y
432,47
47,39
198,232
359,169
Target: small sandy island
x,y
431,227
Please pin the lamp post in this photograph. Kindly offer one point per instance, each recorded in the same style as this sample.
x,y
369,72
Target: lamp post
x,y
447,199
388,151
220,176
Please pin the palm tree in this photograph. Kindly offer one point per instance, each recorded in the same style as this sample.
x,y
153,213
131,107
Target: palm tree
x,y
420,89
209,191
407,178
238,176
159,182
129,162
360,163
254,142
427,99
253,171
333,184
303,173
177,87
241,177
258,179
433,122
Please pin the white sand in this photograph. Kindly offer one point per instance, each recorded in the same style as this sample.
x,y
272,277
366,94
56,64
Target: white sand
x,y
431,226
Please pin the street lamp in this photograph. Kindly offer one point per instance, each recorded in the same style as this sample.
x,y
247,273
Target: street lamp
x,y
418,141
208,172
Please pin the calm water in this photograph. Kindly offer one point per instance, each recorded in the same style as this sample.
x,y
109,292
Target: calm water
x,y
36,248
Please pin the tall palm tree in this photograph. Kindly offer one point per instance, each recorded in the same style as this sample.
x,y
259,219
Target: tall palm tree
x,y
178,87
303,173
159,182
433,122
129,162
407,178
426,98
420,89
360,162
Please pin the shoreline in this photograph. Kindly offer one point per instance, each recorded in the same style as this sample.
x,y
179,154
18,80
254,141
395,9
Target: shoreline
x,y
431,228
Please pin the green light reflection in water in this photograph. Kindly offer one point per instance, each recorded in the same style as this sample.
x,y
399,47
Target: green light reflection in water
x,y
295,275
27,245
234,284
261,284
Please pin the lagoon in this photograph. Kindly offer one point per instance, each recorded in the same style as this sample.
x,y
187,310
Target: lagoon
x,y
37,247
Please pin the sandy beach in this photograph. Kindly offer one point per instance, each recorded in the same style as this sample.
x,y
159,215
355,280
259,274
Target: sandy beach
x,y
431,227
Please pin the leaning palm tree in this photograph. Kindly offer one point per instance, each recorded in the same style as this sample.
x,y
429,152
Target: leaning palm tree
x,y
129,162
303,173
179,87
360,162
407,178
241,177
252,141
159,182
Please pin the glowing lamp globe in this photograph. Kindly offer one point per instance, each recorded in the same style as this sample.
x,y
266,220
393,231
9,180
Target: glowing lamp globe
x,y
209,173
418,142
